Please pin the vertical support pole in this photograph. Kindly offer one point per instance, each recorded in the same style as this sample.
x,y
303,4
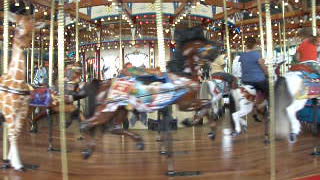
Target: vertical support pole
x,y
242,38
189,18
229,63
27,68
61,51
284,43
51,43
84,66
261,30
40,49
5,68
269,61
120,40
314,18
160,35
77,31
32,55
99,53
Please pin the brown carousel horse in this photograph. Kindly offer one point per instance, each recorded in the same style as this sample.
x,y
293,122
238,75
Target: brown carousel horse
x,y
45,101
43,97
193,51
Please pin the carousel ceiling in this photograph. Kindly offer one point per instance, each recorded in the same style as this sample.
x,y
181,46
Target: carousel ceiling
x,y
103,20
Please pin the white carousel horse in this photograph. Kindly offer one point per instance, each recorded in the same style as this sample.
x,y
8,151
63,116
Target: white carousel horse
x,y
41,77
292,92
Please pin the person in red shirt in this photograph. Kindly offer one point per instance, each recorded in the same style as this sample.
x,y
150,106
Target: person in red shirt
x,y
307,52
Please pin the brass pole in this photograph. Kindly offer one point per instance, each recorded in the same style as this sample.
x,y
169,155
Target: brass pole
x,y
120,39
242,38
189,18
28,60
61,51
261,30
269,61
229,69
5,67
51,45
314,18
77,31
284,43
161,46
39,49
32,55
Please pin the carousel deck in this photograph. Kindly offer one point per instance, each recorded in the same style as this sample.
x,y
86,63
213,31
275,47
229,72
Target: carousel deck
x,y
238,158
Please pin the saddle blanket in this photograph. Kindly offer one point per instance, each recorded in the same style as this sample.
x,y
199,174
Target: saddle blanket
x,y
41,97
307,114
311,88
135,94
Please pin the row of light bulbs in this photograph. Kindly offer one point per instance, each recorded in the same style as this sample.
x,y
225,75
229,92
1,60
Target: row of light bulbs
x,y
185,12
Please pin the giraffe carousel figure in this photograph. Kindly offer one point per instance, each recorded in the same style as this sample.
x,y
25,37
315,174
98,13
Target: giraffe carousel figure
x,y
14,91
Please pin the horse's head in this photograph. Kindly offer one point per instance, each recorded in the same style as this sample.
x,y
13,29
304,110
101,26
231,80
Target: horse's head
x,y
200,53
193,51
22,16
73,72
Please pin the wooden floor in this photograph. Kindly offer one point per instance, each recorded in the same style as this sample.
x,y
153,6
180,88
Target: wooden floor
x,y
228,158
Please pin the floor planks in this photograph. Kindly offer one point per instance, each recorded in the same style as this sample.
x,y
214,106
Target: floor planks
x,y
228,158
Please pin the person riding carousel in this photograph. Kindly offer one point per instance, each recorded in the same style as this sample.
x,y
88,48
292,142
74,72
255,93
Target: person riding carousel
x,y
253,67
307,52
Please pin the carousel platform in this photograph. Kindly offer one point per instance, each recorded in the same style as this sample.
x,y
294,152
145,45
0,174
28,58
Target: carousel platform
x,y
245,157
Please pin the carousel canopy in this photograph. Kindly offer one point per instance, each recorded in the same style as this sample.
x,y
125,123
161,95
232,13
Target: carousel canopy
x,y
102,20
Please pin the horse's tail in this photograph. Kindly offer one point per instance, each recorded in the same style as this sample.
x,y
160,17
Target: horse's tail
x,y
282,100
204,90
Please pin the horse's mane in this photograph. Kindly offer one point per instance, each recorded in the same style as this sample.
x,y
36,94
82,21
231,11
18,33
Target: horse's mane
x,y
183,37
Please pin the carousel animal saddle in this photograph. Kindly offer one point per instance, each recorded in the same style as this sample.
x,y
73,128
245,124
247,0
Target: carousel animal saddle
x,y
148,79
311,83
41,97
223,76
302,67
135,94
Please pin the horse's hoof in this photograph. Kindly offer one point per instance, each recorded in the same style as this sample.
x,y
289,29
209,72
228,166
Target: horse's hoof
x,y
68,123
244,128
84,127
140,146
86,154
255,117
33,130
186,122
163,152
6,165
266,141
21,169
293,138
235,134
212,135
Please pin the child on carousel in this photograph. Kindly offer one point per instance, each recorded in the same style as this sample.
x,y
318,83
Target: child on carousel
x,y
308,50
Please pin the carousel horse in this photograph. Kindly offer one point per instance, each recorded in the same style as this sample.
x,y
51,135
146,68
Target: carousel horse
x,y
14,91
248,100
245,99
300,84
46,99
41,77
153,90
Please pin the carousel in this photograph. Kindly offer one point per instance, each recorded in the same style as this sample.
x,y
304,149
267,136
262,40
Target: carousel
x,y
152,89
